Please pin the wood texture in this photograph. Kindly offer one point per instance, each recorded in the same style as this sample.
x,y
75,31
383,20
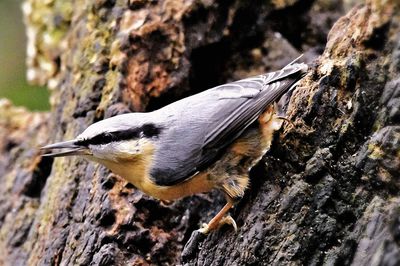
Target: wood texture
x,y
326,193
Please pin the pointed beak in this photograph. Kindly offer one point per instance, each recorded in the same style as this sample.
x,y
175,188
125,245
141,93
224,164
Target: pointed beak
x,y
68,148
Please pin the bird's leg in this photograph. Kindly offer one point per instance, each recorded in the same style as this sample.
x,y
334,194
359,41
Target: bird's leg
x,y
219,219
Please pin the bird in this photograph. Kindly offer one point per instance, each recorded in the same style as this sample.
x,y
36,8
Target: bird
x,y
206,141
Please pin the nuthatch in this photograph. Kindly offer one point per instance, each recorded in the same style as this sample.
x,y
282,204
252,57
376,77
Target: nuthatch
x,y
206,141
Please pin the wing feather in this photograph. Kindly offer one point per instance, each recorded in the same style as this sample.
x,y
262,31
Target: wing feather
x,y
217,117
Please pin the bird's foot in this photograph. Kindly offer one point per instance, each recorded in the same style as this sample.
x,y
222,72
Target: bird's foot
x,y
204,229
207,228
199,235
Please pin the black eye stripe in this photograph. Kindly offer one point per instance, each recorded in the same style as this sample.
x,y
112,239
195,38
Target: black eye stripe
x,y
147,130
150,130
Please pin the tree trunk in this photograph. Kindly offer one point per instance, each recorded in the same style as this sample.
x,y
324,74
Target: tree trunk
x,y
326,193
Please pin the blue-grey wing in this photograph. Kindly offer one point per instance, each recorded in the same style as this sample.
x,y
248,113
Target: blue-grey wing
x,y
200,127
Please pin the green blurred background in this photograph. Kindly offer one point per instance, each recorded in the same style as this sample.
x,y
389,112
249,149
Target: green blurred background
x,y
13,84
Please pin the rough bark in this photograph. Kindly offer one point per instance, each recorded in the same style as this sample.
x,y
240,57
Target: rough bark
x,y
326,193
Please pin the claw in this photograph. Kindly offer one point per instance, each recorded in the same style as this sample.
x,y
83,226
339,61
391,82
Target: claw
x,y
284,119
218,220
228,220
204,229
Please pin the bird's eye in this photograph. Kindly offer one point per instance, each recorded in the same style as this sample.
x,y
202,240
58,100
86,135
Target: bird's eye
x,y
82,142
102,138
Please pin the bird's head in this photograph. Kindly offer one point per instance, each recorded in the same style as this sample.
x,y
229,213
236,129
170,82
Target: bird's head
x,y
114,140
